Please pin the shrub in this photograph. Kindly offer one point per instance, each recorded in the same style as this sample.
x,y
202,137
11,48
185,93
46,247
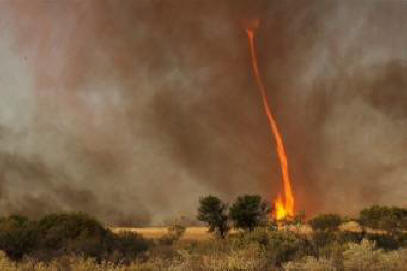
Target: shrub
x,y
384,240
390,219
325,222
65,234
333,252
249,211
127,247
344,237
362,256
72,234
323,238
310,263
260,235
356,257
18,236
286,246
280,246
249,257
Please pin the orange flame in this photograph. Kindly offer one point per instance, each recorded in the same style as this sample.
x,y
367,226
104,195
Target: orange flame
x,y
281,211
283,208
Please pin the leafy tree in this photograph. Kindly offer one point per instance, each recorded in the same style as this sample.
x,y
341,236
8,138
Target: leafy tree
x,y
326,222
249,211
213,211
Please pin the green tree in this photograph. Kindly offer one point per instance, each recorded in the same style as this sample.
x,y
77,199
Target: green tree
x,y
213,211
249,211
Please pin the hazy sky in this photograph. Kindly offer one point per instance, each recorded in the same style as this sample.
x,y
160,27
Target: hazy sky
x,y
131,110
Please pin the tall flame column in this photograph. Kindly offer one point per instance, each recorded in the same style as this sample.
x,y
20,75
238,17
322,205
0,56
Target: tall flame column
x,y
284,207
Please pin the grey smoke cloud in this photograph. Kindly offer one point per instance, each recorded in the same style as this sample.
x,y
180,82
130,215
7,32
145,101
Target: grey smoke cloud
x,y
131,110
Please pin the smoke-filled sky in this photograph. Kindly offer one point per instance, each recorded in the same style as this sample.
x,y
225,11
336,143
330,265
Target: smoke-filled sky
x,y
131,110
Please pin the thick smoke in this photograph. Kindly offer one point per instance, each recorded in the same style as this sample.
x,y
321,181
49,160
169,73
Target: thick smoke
x,y
131,110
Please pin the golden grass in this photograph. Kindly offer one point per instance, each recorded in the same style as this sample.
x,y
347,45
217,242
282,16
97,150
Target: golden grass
x,y
191,233
201,233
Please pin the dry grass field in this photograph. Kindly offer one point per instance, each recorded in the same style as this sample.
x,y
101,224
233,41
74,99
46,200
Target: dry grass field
x,y
201,233
191,233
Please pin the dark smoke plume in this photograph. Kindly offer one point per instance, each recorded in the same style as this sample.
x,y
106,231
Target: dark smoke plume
x,y
131,110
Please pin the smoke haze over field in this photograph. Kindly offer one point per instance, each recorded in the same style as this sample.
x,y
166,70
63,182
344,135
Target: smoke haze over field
x,y
131,110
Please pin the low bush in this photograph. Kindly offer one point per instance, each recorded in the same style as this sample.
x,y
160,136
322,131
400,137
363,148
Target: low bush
x,y
344,237
390,219
326,222
127,246
310,263
279,246
356,257
18,236
323,238
79,242
79,234
286,246
365,256
56,235
385,241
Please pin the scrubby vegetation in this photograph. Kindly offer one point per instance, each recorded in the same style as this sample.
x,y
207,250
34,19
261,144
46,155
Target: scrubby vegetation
x,y
325,222
261,249
78,242
390,219
57,235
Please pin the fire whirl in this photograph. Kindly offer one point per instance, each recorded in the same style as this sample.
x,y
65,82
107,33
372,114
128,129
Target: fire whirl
x,y
284,206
